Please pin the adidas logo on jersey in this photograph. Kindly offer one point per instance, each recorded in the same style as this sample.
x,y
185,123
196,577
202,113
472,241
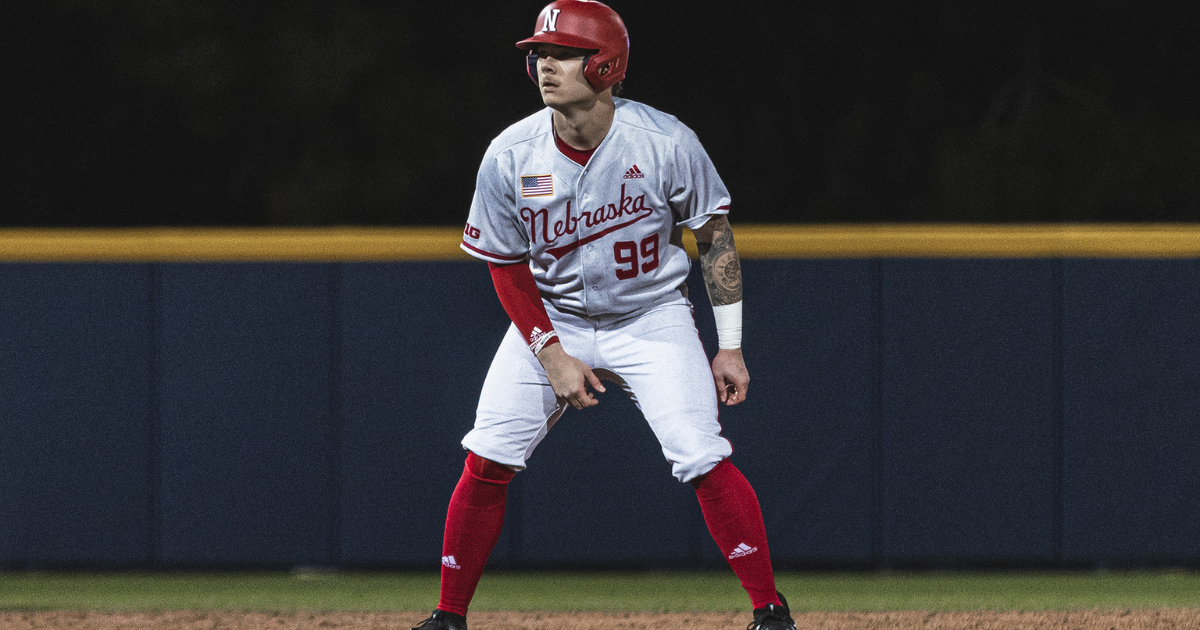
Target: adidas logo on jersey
x,y
634,173
449,562
742,550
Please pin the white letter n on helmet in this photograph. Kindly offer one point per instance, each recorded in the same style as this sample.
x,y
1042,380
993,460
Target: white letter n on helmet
x,y
550,25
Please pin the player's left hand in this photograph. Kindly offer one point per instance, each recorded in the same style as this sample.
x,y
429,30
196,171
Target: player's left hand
x,y
730,376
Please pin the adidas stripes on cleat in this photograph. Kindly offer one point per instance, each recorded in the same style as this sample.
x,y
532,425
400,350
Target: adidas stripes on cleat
x,y
773,617
442,620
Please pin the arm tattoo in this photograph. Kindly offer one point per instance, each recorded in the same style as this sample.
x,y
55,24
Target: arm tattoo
x,y
720,263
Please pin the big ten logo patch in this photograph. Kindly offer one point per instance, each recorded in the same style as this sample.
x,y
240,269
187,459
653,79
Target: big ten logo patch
x,y
471,231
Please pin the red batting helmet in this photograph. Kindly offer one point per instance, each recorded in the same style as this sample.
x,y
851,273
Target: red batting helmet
x,y
583,24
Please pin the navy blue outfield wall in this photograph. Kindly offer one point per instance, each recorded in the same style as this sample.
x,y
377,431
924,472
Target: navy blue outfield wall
x,y
903,412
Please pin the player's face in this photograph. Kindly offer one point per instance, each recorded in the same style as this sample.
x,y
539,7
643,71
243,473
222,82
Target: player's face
x,y
560,75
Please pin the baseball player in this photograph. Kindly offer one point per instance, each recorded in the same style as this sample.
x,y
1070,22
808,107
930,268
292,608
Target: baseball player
x,y
578,211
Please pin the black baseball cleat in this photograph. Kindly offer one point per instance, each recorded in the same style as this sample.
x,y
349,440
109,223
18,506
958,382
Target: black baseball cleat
x,y
442,620
773,617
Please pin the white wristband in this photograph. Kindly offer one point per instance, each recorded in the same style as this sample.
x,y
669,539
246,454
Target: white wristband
x,y
541,339
729,325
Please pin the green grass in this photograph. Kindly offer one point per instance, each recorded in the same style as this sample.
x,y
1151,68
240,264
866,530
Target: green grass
x,y
571,591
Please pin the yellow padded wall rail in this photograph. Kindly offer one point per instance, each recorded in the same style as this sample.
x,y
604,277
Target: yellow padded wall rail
x,y
762,241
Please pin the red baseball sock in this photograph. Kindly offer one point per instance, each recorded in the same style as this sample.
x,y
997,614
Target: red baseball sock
x,y
473,524
735,521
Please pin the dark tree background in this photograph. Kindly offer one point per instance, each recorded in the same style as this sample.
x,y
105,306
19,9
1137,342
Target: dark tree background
x,y
306,112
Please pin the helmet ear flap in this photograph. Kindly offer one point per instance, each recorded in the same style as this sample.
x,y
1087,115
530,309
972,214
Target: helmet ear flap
x,y
594,70
531,66
601,69
590,72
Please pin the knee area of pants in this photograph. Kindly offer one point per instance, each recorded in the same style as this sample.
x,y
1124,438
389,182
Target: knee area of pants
x,y
488,470
698,479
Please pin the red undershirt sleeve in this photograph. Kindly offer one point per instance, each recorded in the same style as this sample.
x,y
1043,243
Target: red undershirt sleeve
x,y
520,298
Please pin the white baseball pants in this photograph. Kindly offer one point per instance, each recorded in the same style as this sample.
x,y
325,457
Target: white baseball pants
x,y
655,355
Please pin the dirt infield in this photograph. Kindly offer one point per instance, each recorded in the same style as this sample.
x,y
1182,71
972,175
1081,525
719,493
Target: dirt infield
x,y
1152,619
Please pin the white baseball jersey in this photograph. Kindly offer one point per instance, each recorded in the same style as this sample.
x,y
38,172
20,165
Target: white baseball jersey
x,y
604,238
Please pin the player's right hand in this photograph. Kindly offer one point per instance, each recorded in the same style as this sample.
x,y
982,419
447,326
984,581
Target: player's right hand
x,y
569,377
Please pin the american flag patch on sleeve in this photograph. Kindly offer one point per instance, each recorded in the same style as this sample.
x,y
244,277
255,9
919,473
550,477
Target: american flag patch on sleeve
x,y
537,185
